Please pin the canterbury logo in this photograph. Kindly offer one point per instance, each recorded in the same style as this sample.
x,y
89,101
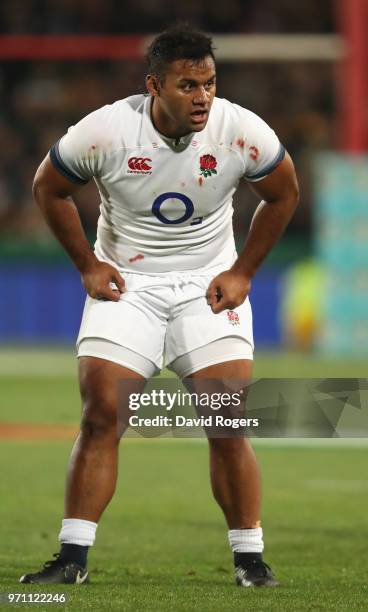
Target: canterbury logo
x,y
139,165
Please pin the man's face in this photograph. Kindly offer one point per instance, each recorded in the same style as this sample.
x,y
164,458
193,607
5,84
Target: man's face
x,y
182,102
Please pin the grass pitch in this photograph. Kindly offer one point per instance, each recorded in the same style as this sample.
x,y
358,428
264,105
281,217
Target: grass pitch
x,y
162,544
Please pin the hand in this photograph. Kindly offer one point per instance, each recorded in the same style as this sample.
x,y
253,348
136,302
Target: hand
x,y
97,278
227,290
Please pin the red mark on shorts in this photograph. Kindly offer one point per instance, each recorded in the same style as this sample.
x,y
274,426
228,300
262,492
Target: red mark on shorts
x,y
240,142
93,147
254,153
200,181
136,258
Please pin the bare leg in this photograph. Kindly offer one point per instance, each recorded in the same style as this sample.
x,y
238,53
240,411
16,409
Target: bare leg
x,y
234,471
235,481
93,466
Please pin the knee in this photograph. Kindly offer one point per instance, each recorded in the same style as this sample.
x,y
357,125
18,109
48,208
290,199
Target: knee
x,y
99,417
228,446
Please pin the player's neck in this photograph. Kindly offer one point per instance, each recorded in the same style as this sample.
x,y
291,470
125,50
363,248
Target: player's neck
x,y
164,125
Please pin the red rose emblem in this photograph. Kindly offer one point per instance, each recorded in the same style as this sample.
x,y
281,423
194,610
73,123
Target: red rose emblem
x,y
208,162
233,317
208,165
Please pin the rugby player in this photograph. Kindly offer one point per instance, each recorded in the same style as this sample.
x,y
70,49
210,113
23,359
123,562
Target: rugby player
x,y
164,268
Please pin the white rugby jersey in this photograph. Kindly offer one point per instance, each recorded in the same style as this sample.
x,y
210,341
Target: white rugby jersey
x,y
165,208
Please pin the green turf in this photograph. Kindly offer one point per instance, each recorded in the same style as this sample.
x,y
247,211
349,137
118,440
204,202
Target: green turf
x,y
162,543
54,362
39,400
306,365
23,371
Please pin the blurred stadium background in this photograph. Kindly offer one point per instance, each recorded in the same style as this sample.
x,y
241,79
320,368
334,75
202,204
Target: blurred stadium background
x,y
300,66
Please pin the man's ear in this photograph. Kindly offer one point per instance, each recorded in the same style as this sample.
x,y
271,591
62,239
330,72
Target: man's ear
x,y
153,85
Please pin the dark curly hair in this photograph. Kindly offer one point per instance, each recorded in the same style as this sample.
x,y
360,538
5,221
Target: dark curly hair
x,y
177,42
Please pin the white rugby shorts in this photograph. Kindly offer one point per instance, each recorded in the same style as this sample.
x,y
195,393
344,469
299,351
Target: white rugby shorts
x,y
165,317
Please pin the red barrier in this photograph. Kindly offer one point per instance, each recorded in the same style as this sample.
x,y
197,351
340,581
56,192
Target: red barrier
x,y
38,47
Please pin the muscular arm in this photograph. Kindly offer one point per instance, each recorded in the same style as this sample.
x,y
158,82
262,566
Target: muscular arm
x,y
279,193
52,193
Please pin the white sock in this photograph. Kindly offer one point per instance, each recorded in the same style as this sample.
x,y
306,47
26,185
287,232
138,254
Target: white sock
x,y
77,531
246,540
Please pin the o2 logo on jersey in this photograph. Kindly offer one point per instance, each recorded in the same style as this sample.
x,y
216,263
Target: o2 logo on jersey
x,y
173,195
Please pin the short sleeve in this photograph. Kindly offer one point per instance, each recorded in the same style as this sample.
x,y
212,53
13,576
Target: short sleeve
x,y
80,153
262,151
